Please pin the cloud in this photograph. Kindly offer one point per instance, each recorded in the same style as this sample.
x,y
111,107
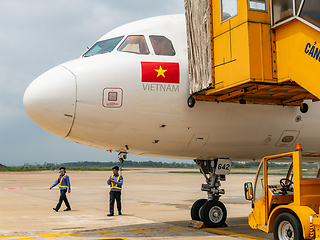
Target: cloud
x,y
36,35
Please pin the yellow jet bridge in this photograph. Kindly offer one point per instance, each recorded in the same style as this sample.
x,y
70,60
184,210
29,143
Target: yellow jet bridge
x,y
257,51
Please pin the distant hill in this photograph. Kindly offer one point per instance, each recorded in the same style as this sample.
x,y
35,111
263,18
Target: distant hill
x,y
2,166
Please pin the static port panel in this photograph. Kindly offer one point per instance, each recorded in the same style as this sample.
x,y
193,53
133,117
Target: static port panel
x,y
112,97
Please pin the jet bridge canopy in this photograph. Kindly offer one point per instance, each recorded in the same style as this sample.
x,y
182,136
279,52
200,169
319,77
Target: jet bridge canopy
x,y
257,51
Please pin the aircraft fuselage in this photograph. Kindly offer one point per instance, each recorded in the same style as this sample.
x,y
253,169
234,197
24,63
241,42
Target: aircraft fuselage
x,y
105,101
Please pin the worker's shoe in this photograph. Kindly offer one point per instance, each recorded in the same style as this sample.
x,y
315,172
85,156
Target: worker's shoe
x,y
110,215
120,213
55,209
67,209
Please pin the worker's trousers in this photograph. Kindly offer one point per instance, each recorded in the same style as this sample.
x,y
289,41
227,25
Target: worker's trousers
x,y
63,198
115,195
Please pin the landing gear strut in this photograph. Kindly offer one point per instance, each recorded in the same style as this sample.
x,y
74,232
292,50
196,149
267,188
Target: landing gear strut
x,y
121,157
211,211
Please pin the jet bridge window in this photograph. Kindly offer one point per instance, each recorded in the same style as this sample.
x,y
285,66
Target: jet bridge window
x,y
257,5
298,3
300,9
134,44
162,46
310,12
282,9
103,46
229,9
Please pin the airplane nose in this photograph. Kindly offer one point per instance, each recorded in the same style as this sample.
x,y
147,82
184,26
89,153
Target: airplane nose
x,y
50,100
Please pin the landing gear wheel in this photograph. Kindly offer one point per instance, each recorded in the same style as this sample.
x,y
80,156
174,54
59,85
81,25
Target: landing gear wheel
x,y
195,209
213,213
287,227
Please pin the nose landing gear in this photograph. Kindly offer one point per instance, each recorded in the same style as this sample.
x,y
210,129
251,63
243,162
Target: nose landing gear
x,y
212,212
196,208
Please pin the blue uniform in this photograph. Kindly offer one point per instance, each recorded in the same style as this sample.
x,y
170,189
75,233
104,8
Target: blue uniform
x,y
64,184
115,193
117,185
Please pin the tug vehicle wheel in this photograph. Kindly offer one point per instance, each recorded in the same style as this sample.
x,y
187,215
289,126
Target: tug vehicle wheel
x,y
287,227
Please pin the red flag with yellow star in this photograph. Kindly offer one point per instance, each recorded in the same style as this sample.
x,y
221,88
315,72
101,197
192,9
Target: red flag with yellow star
x,y
160,72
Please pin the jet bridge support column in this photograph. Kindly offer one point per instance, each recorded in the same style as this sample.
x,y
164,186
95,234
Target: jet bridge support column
x,y
211,211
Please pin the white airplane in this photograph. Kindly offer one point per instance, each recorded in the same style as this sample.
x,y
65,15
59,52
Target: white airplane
x,y
128,93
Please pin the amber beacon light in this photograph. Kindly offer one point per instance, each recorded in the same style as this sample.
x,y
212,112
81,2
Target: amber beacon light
x,y
298,147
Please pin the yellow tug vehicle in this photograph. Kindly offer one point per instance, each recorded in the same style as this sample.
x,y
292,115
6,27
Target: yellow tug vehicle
x,y
286,195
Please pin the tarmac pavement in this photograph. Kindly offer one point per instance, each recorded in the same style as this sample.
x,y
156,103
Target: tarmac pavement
x,y
156,205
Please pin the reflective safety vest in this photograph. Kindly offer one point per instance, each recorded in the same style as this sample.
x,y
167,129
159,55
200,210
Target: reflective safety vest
x,y
115,186
62,186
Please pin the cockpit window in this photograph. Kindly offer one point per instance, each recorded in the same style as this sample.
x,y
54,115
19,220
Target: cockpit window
x,y
103,46
162,46
134,44
229,9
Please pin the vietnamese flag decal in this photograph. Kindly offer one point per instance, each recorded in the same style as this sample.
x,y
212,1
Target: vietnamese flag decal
x,y
160,72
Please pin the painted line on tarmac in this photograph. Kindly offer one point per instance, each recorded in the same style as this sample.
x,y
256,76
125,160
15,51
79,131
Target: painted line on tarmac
x,y
233,234
109,239
238,225
39,236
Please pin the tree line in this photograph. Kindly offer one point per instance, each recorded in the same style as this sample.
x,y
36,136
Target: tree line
x,y
94,166
106,166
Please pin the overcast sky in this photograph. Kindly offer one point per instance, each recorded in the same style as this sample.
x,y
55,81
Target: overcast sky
x,y
36,35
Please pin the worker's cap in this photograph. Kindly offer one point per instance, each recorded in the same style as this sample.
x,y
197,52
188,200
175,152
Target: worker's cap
x,y
116,168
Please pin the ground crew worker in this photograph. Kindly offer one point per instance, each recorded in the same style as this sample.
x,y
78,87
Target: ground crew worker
x,y
115,181
64,185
